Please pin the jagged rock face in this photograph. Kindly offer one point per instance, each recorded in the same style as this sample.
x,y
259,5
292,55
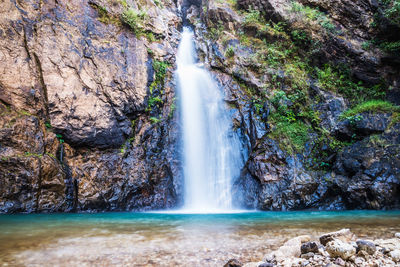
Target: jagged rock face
x,y
364,174
352,20
90,78
65,72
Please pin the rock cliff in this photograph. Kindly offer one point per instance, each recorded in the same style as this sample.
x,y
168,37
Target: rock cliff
x,y
87,106
88,115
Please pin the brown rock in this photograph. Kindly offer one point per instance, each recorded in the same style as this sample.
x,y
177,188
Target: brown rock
x,y
344,235
233,263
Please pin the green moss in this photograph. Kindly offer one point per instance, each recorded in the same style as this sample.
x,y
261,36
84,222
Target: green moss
x,y
373,106
395,118
51,155
252,17
338,80
122,150
104,16
292,135
158,3
155,120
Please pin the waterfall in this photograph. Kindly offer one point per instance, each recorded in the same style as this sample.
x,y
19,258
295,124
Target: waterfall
x,y
211,151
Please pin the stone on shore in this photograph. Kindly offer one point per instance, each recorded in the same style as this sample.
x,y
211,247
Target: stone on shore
x,y
366,246
395,255
338,248
344,235
233,263
309,247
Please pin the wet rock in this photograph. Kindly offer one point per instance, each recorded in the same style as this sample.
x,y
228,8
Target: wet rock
x,y
366,246
362,125
233,263
397,235
368,173
344,235
309,247
329,105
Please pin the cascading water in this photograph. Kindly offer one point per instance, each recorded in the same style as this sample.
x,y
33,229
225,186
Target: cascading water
x,y
211,152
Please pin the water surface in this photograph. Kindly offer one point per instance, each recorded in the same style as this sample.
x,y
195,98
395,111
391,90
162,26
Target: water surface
x,y
157,239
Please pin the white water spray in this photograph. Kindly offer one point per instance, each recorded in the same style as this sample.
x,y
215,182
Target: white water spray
x,y
211,152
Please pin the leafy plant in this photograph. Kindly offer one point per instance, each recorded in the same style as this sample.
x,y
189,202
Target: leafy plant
x,y
252,17
230,52
373,106
313,15
155,120
60,138
104,16
135,19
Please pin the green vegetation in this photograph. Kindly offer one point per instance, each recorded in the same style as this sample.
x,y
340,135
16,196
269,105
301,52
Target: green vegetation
x,y
158,3
60,138
392,10
155,120
373,106
230,52
160,69
252,17
156,87
313,15
135,19
122,150
292,134
389,12
104,16
338,80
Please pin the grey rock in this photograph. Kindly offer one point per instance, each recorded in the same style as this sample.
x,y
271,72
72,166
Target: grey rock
x,y
366,246
338,248
309,247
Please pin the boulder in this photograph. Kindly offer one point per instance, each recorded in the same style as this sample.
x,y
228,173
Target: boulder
x,y
290,249
366,246
338,248
309,247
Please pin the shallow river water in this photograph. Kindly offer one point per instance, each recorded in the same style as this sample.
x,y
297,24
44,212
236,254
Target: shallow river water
x,y
159,239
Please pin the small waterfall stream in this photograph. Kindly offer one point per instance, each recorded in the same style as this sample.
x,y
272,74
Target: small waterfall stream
x,y
211,152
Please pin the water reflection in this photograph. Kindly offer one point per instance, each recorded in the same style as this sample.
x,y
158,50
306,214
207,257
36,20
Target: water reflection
x,y
146,239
